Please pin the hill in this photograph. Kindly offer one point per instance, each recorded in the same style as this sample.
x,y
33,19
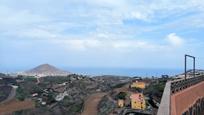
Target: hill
x,y
45,70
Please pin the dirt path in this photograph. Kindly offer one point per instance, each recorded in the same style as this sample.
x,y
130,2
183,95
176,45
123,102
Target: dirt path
x,y
15,105
91,104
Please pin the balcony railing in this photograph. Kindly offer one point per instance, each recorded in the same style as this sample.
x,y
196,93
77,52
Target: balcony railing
x,y
172,87
179,85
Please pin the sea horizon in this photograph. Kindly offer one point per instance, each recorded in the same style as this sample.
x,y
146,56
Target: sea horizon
x,y
131,72
116,71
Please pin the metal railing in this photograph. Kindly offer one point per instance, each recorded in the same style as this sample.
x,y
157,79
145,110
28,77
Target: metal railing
x,y
182,84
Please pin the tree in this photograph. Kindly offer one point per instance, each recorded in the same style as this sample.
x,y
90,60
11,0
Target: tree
x,y
20,94
121,95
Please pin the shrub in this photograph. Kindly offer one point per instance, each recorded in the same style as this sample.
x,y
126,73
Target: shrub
x,y
21,94
121,95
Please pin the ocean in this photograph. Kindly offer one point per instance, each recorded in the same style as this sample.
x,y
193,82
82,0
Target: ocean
x,y
125,71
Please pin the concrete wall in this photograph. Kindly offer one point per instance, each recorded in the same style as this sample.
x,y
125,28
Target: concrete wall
x,y
164,108
187,98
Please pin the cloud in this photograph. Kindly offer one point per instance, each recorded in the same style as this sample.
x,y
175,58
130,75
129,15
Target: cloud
x,y
110,45
37,33
101,16
138,28
11,16
174,39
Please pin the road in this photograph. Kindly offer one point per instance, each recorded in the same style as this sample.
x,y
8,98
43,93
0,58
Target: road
x,y
11,95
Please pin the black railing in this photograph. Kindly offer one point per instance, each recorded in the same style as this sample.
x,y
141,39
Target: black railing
x,y
179,85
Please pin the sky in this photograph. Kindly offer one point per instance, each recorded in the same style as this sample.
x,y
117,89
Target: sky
x,y
100,33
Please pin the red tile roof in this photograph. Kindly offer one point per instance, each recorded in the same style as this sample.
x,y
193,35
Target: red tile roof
x,y
137,96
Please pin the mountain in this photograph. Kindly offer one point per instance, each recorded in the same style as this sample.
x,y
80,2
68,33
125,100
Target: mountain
x,y
45,70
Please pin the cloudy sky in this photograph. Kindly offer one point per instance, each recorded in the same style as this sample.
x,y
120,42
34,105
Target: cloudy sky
x,y
101,33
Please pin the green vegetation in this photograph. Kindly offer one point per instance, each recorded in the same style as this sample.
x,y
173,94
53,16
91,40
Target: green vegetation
x,y
50,98
56,79
21,94
18,113
135,89
30,86
2,94
78,87
36,111
36,89
105,106
30,79
27,88
71,105
121,95
119,85
76,107
155,89
66,101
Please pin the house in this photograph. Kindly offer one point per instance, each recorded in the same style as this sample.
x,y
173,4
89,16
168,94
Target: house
x,y
138,84
43,103
138,101
34,94
61,96
121,103
63,84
